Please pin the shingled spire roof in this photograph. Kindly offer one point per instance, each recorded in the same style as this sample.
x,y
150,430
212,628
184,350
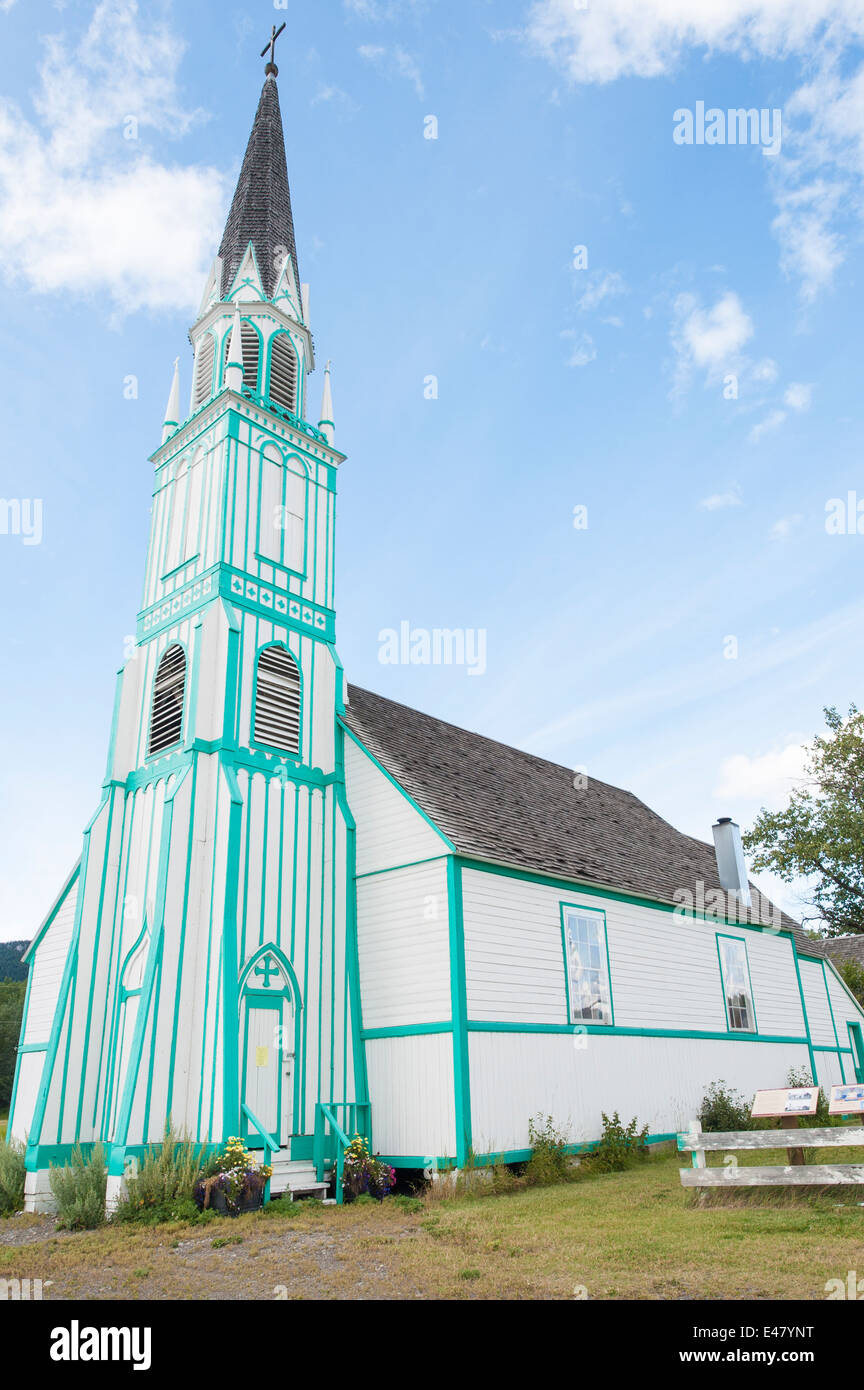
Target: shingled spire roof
x,y
261,210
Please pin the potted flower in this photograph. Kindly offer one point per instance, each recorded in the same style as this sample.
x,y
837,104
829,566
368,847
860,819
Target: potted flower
x,y
365,1175
234,1181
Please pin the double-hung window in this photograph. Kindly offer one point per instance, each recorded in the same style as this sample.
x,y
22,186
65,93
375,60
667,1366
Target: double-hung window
x,y
737,989
589,990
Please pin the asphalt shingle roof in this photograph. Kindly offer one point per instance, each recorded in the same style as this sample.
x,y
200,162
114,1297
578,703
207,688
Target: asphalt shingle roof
x,y
501,804
261,209
841,948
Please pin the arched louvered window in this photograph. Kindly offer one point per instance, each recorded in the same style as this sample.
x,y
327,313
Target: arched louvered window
x,y
277,700
166,717
203,370
251,355
283,372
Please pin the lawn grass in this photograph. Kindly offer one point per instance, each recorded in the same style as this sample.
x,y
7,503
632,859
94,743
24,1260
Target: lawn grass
x,y
631,1235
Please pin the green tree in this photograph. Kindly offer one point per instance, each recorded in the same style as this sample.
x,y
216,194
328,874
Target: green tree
x,y
820,834
11,1009
853,973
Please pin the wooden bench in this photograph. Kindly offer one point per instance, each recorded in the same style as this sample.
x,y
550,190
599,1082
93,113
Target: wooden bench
x,y
795,1174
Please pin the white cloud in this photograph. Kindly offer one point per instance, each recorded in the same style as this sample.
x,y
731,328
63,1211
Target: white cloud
x,y
768,778
798,395
81,208
773,420
708,340
719,500
818,182
626,38
583,350
783,528
602,284
393,60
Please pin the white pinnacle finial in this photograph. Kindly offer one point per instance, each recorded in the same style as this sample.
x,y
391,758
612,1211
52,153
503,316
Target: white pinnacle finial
x,y
325,424
172,412
234,369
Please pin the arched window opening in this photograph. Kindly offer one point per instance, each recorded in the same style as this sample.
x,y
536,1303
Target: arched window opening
x,y
251,344
166,716
283,373
203,370
277,700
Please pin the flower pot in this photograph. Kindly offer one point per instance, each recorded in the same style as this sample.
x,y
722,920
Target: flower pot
x,y
247,1201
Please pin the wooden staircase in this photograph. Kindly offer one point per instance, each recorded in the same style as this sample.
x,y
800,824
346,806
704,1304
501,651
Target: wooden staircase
x,y
296,1176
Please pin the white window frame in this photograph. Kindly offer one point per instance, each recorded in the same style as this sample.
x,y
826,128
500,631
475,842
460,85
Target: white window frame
x,y
593,973
736,982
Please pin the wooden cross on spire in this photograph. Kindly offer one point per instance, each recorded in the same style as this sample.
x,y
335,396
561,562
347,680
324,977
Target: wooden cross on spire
x,y
271,49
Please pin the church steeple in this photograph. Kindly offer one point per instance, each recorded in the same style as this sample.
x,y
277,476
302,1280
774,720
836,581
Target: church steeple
x,y
261,210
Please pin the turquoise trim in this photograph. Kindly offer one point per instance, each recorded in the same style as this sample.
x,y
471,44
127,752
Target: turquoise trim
x,y
727,936
117,1154
22,1047
573,885
408,797
151,758
230,993
856,1038
443,1163
833,1024
810,1050
352,955
408,1030
566,907
459,1008
394,868
58,903
603,1029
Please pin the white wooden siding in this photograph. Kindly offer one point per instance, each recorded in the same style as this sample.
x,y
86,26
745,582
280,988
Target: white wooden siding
x,y
29,1076
389,829
845,1008
411,1089
403,936
664,968
47,969
661,1081
816,999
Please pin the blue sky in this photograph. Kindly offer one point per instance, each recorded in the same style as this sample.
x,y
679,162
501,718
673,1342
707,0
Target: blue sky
x,y
607,386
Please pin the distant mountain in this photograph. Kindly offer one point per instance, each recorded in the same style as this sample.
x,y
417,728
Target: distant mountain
x,y
11,965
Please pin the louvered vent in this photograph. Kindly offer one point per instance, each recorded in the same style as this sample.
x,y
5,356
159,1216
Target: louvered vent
x,y
277,700
166,719
283,373
251,355
204,370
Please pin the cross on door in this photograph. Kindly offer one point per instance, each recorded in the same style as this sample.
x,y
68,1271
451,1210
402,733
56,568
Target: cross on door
x,y
266,969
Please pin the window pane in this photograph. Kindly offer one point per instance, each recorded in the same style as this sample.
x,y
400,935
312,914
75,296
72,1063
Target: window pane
x,y
736,984
590,999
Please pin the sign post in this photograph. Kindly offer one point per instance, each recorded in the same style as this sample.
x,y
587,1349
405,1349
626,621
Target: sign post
x,y
789,1104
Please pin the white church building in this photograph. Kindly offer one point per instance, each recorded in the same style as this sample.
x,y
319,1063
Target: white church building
x,y
303,910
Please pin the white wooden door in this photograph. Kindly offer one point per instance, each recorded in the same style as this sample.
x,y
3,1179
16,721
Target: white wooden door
x,y
268,1069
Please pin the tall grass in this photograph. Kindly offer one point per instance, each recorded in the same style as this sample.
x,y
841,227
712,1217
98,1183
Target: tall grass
x,y
79,1189
11,1177
162,1188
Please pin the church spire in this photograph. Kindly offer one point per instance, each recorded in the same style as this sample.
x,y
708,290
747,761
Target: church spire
x,y
325,424
261,209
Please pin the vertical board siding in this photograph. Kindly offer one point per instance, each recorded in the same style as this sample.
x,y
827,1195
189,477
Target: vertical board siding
x,y
411,1087
403,934
47,970
661,1081
390,831
816,999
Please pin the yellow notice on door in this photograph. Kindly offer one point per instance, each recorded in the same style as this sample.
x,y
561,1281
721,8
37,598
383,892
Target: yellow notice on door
x,y
261,1056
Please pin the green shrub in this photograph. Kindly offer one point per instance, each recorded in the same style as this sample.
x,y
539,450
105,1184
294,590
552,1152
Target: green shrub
x,y
549,1162
79,1190
407,1204
162,1188
619,1147
283,1206
723,1109
11,1176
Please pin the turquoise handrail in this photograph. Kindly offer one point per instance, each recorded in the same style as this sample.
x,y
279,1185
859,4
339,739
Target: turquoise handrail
x,y
324,1115
269,1142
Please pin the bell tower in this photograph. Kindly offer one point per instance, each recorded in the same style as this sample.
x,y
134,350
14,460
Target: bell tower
x,y
211,970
